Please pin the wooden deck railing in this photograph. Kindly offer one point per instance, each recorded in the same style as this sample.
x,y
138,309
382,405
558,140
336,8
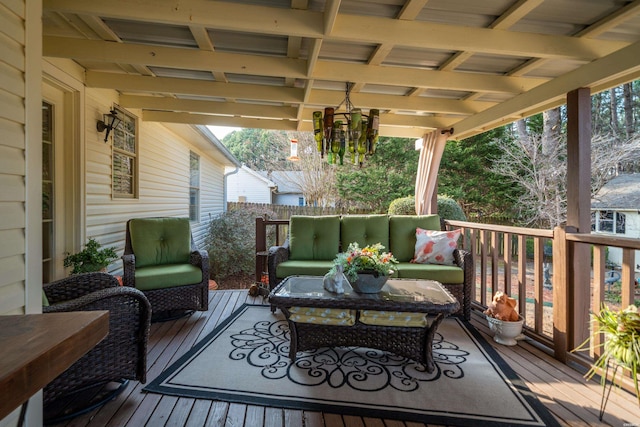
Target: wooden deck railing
x,y
538,268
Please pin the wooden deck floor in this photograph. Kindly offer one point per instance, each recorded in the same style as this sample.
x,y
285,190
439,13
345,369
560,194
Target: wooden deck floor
x,y
564,391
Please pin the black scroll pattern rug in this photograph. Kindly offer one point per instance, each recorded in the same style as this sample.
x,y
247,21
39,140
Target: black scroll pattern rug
x,y
245,359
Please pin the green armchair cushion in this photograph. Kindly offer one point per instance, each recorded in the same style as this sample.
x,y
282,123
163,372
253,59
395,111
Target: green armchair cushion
x,y
365,230
402,233
167,276
159,241
314,237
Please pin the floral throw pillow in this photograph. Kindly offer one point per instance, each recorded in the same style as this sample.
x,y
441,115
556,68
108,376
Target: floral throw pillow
x,y
435,247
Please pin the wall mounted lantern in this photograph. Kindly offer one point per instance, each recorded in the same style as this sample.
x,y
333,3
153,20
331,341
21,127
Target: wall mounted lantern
x,y
109,122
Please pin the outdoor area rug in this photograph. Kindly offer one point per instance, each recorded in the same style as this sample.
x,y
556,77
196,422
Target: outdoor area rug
x,y
245,360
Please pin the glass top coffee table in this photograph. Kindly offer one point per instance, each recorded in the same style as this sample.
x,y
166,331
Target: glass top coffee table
x,y
397,295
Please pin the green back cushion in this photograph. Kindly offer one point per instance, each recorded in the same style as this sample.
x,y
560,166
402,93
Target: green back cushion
x,y
158,241
402,233
314,237
365,230
45,300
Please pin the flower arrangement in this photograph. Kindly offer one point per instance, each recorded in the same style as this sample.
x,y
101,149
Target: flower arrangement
x,y
370,259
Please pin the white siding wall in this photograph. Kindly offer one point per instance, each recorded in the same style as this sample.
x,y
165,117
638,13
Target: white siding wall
x,y
164,177
632,231
244,183
287,199
14,153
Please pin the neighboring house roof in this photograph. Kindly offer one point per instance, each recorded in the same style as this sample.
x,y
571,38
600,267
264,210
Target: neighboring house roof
x,y
287,182
204,131
622,192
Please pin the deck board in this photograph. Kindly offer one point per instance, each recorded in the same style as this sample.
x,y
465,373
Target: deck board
x,y
573,400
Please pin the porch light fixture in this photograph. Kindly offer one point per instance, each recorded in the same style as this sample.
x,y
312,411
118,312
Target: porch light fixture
x,y
358,139
293,156
109,123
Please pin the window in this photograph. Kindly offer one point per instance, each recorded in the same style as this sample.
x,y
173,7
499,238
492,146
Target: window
x,y
194,187
300,201
125,156
611,222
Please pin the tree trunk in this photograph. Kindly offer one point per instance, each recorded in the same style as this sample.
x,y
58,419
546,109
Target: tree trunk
x,y
550,130
628,110
614,111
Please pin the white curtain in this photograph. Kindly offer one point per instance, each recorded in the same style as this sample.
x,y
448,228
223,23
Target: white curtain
x,y
428,165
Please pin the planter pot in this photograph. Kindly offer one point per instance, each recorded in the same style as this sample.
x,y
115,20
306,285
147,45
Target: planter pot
x,y
369,283
506,333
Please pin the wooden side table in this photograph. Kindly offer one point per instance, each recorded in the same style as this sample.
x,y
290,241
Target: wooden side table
x,y
36,348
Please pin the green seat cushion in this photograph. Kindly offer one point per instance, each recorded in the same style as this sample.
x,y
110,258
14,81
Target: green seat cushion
x,y
314,237
158,241
365,230
438,272
402,233
45,300
167,276
304,268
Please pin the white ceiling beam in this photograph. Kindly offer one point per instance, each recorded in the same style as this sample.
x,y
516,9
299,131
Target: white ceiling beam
x,y
620,65
413,77
132,83
207,107
396,102
195,59
211,120
171,57
350,28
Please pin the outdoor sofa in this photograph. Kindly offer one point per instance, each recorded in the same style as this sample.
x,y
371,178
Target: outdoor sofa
x,y
314,241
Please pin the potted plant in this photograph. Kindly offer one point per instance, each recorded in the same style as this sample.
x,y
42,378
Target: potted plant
x,y
504,320
621,347
92,258
366,269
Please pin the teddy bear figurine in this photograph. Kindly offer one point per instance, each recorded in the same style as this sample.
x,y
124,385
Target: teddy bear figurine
x,y
333,281
503,308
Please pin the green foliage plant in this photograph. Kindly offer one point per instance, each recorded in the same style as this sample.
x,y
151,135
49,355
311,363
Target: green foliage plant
x,y
92,258
231,242
447,208
621,345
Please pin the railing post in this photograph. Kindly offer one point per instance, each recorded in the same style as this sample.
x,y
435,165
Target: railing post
x,y
261,247
561,297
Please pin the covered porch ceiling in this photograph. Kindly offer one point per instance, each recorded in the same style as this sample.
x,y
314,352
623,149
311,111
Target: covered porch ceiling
x,y
467,64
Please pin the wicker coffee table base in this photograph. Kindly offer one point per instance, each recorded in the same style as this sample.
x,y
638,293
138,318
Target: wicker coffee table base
x,y
410,342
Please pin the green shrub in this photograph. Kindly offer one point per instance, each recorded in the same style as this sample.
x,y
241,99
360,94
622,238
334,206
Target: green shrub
x,y
447,208
403,206
231,242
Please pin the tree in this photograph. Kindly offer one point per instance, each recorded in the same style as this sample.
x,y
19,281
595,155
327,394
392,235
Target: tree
x,y
387,175
466,175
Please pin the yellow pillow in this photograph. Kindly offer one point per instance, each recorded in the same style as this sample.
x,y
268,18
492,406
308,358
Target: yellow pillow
x,y
323,316
393,318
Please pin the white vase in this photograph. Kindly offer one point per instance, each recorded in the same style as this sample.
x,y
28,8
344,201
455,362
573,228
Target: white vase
x,y
506,333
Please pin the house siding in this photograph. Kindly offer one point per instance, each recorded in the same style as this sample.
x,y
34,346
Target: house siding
x,y
13,191
248,185
163,187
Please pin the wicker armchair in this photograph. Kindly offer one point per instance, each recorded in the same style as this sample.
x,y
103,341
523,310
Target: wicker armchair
x,y
162,260
122,355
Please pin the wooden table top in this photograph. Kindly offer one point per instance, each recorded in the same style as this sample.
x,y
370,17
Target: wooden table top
x,y
36,348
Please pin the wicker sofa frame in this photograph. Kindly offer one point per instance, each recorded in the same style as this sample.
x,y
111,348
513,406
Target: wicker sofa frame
x,y
462,259
122,354
181,297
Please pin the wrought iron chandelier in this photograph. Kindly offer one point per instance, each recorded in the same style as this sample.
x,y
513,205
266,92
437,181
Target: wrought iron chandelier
x,y
356,136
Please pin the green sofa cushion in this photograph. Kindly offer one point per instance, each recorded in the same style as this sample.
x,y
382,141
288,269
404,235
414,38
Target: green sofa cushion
x,y
167,276
402,233
314,237
158,241
441,273
365,230
303,268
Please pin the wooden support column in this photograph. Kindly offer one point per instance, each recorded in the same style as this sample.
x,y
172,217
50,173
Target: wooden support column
x,y
578,213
